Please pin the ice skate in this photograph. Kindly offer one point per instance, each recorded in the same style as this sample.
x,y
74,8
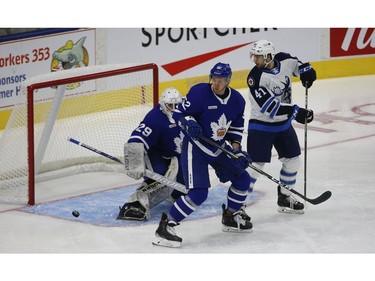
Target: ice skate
x,y
132,211
236,222
165,235
244,215
288,204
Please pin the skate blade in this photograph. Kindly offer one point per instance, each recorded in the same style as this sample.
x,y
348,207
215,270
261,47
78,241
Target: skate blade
x,y
286,210
235,230
158,241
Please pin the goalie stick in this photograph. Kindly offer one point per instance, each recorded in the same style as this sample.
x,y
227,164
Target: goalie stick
x,y
320,199
147,173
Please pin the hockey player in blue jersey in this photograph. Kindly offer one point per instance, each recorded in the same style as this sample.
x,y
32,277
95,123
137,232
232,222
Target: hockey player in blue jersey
x,y
272,113
215,111
162,140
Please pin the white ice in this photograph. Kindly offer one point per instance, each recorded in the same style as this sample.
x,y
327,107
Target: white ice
x,y
340,158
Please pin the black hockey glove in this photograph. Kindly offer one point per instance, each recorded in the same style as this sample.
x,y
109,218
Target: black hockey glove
x,y
307,74
303,115
191,127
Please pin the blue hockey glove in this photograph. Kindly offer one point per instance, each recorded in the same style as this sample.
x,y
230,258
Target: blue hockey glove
x,y
307,74
189,125
302,115
243,159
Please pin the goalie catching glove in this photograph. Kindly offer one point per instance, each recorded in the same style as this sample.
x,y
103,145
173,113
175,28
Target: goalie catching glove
x,y
191,127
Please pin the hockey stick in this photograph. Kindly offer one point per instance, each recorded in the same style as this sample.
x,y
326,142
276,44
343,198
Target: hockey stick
x,y
324,197
305,150
147,173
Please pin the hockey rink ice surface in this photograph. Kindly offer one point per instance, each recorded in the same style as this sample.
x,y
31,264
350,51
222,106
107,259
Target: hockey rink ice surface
x,y
340,158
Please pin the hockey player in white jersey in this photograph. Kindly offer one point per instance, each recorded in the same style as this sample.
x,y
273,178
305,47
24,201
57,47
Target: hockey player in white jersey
x,y
215,111
272,113
162,140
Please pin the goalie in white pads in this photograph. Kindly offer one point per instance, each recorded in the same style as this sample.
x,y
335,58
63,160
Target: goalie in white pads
x,y
162,139
272,113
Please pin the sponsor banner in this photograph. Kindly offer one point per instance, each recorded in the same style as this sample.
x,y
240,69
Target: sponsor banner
x,y
352,41
23,59
180,53
190,52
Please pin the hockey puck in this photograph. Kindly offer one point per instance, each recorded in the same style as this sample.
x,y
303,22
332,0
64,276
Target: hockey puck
x,y
75,213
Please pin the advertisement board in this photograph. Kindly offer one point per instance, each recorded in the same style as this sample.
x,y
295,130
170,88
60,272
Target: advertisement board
x,y
346,42
190,52
23,59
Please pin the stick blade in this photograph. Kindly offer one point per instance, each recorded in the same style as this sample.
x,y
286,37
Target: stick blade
x,y
322,198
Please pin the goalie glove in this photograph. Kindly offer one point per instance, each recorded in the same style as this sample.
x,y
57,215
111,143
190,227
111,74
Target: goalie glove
x,y
191,127
307,74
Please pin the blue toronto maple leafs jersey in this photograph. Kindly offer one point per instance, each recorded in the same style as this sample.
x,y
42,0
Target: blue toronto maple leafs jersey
x,y
159,134
271,94
220,119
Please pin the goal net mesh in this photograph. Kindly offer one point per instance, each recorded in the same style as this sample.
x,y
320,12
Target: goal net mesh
x,y
97,105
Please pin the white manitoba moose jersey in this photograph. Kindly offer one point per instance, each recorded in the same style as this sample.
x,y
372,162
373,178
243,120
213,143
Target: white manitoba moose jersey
x,y
271,94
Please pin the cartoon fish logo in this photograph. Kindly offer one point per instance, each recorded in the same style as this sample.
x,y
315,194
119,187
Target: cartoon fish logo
x,y
70,56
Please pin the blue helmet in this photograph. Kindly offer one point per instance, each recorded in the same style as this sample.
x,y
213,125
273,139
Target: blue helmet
x,y
221,70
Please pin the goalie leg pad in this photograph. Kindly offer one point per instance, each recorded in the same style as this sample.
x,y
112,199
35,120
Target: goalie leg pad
x,y
152,193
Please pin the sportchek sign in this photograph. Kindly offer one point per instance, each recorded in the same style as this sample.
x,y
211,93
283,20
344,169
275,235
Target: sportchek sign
x,y
352,41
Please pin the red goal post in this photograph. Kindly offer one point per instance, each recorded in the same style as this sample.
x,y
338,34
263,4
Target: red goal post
x,y
100,105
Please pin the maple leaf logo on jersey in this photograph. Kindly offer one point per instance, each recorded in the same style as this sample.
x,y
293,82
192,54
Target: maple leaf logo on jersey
x,y
220,128
178,142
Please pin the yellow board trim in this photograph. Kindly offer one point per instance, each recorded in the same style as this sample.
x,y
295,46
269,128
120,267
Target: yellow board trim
x,y
324,69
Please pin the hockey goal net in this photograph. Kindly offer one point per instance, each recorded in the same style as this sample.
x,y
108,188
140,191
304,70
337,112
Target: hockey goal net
x,y
98,105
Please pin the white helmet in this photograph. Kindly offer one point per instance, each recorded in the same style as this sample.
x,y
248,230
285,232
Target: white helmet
x,y
263,47
170,96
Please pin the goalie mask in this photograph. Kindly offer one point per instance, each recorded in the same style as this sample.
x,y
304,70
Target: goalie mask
x,y
169,100
263,48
